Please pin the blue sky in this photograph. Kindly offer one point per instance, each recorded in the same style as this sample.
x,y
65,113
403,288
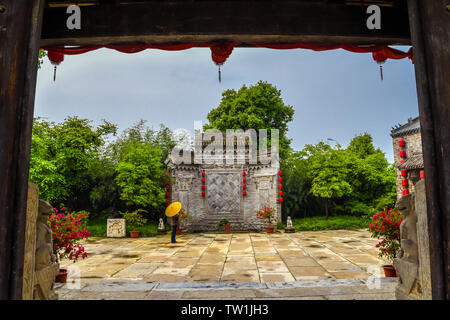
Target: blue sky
x,y
335,94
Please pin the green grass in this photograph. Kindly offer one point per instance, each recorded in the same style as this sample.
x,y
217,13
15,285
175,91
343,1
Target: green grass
x,y
333,223
97,228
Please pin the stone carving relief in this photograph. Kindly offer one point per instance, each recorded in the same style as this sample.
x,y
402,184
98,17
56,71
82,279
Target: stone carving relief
x,y
263,182
184,183
115,228
46,265
223,192
407,262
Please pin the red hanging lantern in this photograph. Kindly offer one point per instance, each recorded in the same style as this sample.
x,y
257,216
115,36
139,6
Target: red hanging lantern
x,y
203,174
167,194
281,199
244,193
422,174
244,173
55,58
280,193
280,179
167,180
405,192
401,143
203,180
380,58
280,186
405,182
203,187
244,180
244,186
401,161
167,201
220,52
404,173
280,173
167,187
168,173
402,153
203,193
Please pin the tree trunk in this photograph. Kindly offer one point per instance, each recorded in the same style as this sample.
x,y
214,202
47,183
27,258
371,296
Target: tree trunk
x,y
326,209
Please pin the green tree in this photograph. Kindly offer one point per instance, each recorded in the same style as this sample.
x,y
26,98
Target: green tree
x,y
256,107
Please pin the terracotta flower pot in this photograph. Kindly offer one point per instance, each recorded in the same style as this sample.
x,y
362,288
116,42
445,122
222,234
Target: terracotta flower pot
x,y
61,277
270,229
389,270
179,231
134,234
227,228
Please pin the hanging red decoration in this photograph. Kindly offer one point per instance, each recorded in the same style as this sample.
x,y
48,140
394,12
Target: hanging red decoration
x,y
402,153
422,174
203,180
404,172
167,180
401,143
244,193
203,193
203,174
168,173
380,58
55,58
401,161
281,199
244,186
405,192
280,193
167,187
244,180
167,201
280,173
405,182
280,179
280,186
220,52
244,173
167,194
203,187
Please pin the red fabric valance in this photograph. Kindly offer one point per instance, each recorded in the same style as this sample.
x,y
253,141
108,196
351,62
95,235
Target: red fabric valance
x,y
220,51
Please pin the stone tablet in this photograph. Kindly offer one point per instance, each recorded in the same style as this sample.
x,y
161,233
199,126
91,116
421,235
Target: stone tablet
x,y
116,228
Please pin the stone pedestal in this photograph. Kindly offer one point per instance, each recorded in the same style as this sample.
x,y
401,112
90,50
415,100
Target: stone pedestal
x,y
116,228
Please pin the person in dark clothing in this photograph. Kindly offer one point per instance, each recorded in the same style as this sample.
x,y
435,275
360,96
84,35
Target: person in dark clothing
x,y
175,224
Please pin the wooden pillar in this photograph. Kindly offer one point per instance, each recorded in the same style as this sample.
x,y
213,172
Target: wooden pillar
x,y
20,28
430,35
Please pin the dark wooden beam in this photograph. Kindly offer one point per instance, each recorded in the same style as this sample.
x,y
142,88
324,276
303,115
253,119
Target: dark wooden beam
x,y
430,25
240,21
20,26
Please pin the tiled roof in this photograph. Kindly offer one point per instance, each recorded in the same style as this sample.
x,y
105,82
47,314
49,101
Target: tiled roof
x,y
412,126
414,161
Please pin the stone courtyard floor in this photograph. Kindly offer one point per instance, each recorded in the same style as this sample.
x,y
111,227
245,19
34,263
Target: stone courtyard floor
x,y
341,262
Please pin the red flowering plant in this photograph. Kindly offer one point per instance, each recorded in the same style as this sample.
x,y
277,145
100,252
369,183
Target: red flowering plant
x,y
67,230
386,227
268,214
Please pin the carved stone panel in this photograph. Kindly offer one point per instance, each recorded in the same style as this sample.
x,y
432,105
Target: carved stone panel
x,y
223,192
263,182
184,183
116,228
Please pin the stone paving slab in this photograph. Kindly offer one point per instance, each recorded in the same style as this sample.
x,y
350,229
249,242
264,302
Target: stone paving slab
x,y
239,257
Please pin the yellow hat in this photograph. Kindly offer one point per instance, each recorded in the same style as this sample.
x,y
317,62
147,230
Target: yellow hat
x,y
173,209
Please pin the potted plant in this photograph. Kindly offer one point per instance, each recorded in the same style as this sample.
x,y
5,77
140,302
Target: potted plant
x,y
183,218
224,223
268,214
134,220
386,227
67,230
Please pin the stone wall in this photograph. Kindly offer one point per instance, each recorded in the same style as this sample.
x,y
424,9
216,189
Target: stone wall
x,y
413,144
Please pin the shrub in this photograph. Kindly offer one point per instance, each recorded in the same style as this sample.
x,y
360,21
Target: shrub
x,y
268,214
68,229
134,219
386,227
222,224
